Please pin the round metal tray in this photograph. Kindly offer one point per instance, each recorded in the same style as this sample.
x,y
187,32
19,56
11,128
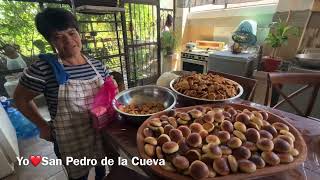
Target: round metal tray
x,y
207,100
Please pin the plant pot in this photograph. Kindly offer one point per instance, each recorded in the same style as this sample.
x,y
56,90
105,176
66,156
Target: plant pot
x,y
271,64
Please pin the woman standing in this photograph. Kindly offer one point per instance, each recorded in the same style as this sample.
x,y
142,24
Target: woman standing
x,y
69,81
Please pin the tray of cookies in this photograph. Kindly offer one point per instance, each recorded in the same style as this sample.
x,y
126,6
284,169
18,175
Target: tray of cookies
x,y
206,87
218,141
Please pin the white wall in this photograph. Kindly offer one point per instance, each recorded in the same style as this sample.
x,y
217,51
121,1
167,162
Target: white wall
x,y
294,5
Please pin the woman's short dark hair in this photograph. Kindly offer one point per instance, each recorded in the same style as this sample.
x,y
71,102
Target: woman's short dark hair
x,y
51,20
169,20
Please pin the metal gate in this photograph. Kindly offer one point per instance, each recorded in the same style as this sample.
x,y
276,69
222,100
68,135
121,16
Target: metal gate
x,y
143,44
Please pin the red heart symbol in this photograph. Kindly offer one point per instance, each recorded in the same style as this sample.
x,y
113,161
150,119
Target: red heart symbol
x,y
35,160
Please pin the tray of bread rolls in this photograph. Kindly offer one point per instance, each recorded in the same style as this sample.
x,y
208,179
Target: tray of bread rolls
x,y
218,141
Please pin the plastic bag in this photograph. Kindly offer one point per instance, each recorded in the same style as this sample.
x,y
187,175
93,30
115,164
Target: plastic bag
x,y
24,128
102,111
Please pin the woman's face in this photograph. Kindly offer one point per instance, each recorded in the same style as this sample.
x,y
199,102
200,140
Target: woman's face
x,y
67,43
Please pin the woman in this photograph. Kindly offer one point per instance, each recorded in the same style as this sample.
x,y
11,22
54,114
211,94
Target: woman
x,y
14,59
69,82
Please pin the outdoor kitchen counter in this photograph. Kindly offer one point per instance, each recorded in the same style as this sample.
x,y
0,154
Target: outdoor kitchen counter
x,y
123,136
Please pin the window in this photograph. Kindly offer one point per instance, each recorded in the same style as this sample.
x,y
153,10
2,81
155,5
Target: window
x,y
205,5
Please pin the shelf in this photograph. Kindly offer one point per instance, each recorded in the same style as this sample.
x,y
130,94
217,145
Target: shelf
x,y
98,9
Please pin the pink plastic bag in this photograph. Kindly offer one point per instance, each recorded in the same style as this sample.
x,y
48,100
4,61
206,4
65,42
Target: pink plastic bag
x,y
102,111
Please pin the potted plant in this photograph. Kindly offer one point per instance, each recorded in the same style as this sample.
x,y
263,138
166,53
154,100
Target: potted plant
x,y
169,44
278,35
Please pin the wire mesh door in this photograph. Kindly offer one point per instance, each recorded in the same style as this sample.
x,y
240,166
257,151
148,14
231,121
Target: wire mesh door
x,y
143,32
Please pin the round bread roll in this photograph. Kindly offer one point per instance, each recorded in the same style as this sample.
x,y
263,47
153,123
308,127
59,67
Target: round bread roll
x,y
265,144
280,126
224,136
163,138
170,147
232,111
247,166
253,125
180,162
220,165
225,150
286,138
240,126
241,153
285,157
164,123
195,127
151,140
264,114
175,135
203,109
227,107
182,122
270,129
294,152
195,113
199,120
250,145
208,118
226,114
171,113
250,114
198,170
252,135
155,122
285,132
214,151
208,109
185,131
147,132
217,109
240,135
194,140
233,163
168,167
193,155
173,121
265,134
208,126
207,160
258,161
149,150
243,117
265,123
159,153
270,158
183,146
257,121
157,130
203,133
185,116
257,114
213,139
234,142
167,128
227,126
218,117
281,145
164,117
